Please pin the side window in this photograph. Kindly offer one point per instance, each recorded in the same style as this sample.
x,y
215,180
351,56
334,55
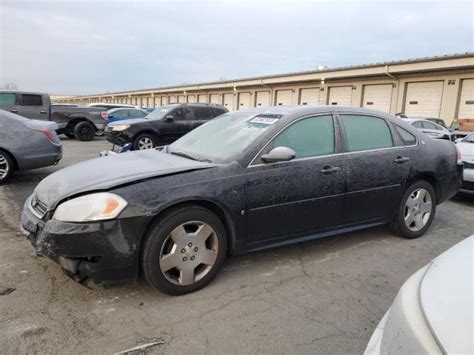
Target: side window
x,y
183,113
366,132
217,112
309,137
429,125
7,99
406,137
417,124
122,114
31,100
202,113
136,114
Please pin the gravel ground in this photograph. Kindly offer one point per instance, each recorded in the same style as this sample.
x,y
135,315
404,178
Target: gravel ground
x,y
324,296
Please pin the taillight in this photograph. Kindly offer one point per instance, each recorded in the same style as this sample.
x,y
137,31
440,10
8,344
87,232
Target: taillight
x,y
104,115
51,135
458,155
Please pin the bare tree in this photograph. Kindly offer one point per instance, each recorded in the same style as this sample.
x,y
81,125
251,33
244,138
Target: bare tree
x,y
10,86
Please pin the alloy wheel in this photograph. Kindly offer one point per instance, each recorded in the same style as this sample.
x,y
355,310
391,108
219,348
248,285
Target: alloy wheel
x,y
4,167
189,253
145,143
418,208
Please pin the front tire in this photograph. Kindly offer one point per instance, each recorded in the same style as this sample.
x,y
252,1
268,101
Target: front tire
x,y
145,141
416,211
6,166
184,250
84,131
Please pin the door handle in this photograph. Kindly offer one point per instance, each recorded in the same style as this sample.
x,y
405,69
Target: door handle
x,y
14,110
330,169
43,112
401,160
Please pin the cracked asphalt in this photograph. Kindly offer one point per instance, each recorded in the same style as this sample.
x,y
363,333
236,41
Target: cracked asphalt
x,y
324,296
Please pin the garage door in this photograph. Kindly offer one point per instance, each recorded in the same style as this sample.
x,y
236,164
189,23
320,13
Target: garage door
x,y
262,99
181,98
173,99
229,101
216,99
378,97
191,98
164,100
202,98
340,96
424,99
283,97
244,100
309,96
466,100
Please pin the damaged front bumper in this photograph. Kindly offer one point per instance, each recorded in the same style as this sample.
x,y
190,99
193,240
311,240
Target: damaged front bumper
x,y
104,252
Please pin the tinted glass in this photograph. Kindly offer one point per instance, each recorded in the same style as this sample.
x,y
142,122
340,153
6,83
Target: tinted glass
x,y
417,124
31,100
122,114
366,132
406,137
202,113
309,137
183,113
217,112
7,99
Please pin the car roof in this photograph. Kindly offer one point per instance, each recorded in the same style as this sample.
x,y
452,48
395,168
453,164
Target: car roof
x,y
123,108
309,109
196,104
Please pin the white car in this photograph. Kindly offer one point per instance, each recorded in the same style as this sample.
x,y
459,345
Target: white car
x,y
466,147
433,311
432,129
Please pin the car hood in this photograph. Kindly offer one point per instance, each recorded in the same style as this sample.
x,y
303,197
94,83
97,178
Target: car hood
x,y
111,171
446,296
467,150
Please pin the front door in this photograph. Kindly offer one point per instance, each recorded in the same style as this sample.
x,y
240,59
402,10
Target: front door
x,y
8,102
300,196
177,123
377,169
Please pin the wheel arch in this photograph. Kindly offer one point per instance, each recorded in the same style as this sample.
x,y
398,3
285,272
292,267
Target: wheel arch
x,y
73,122
431,179
15,162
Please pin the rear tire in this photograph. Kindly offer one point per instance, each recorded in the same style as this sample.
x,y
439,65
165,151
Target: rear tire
x,y
84,131
145,141
184,250
6,166
416,211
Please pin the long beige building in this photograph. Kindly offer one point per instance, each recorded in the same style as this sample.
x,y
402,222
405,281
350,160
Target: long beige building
x,y
429,87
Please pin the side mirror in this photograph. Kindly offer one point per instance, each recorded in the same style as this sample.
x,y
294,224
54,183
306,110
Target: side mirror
x,y
169,118
279,154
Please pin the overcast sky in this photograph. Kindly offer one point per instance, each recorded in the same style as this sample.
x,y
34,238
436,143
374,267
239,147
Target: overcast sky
x,y
83,47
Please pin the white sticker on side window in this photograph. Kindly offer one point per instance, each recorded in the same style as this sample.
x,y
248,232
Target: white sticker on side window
x,y
264,120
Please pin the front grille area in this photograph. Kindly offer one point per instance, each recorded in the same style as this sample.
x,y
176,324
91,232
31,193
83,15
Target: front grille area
x,y
38,207
108,129
467,185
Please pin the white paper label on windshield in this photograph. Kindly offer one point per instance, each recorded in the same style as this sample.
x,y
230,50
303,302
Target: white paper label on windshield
x,y
264,120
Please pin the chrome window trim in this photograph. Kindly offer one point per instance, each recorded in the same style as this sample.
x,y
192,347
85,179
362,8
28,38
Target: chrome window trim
x,y
251,165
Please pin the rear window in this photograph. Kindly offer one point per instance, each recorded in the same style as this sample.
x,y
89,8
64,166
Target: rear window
x,y
31,100
202,113
366,132
217,111
406,137
7,99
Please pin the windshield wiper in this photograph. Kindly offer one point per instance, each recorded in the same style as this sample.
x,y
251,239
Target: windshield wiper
x,y
184,155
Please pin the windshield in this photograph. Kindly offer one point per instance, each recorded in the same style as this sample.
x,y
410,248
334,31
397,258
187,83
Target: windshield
x,y
224,137
469,138
160,112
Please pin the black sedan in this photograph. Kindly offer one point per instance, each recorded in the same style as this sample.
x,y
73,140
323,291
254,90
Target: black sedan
x,y
245,181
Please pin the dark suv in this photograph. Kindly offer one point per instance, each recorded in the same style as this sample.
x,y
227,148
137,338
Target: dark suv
x,y
162,126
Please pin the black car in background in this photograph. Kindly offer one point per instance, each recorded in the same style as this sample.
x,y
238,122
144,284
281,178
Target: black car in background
x,y
161,126
245,181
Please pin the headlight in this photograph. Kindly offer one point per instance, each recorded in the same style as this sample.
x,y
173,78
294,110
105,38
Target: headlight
x,y
94,207
121,127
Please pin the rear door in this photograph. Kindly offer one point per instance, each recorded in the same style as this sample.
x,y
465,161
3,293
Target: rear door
x,y
377,168
290,199
8,102
33,106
